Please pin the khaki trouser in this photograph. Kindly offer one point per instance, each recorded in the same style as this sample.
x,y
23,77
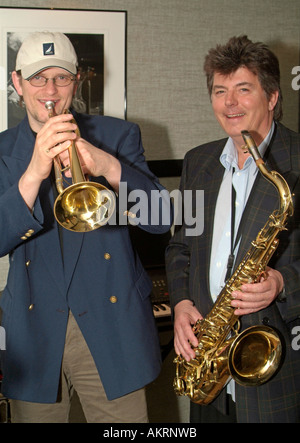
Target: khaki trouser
x,y
79,372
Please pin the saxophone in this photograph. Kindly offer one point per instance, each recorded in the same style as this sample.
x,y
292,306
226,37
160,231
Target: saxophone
x,y
251,357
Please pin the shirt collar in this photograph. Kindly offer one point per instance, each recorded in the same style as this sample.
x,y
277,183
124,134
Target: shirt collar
x,y
229,157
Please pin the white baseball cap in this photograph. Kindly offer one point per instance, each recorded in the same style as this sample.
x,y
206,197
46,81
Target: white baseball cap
x,y
42,50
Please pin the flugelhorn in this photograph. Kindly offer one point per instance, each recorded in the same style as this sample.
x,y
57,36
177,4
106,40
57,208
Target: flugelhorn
x,y
82,206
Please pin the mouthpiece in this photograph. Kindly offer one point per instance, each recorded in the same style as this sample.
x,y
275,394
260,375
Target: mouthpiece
x,y
251,146
49,105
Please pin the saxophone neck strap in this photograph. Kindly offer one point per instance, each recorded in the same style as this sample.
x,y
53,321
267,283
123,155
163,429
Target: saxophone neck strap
x,y
233,243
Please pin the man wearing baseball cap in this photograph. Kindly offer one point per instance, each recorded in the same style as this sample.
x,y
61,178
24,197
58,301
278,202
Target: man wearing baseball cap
x,y
76,307
43,53
42,50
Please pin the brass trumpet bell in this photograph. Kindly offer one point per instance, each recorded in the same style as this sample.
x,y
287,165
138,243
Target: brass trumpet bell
x,y
83,207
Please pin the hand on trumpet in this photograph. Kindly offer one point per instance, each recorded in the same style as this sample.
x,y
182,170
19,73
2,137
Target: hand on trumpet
x,y
95,162
53,139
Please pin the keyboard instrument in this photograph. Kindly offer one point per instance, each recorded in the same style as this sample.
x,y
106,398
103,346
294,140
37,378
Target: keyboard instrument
x,y
159,295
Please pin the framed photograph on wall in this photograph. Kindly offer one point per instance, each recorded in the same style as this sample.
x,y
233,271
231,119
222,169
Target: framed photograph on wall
x,y
99,39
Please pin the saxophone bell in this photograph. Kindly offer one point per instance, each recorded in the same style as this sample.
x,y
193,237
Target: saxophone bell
x,y
255,355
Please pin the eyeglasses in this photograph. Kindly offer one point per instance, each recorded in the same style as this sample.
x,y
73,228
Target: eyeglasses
x,y
59,80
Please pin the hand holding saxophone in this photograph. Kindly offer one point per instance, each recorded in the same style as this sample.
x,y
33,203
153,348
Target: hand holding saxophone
x,y
256,296
186,315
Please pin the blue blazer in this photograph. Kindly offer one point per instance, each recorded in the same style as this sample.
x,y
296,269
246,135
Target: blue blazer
x,y
99,276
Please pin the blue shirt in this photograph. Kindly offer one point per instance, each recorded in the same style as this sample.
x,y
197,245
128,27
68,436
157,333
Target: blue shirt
x,y
242,180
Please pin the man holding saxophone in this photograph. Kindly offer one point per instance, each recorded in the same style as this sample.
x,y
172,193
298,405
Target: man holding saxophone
x,y
243,81
76,307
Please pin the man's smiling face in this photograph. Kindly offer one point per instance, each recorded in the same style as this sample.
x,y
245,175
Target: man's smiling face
x,y
240,103
36,97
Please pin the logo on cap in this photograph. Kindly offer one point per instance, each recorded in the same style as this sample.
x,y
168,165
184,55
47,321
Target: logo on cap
x,y
48,48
